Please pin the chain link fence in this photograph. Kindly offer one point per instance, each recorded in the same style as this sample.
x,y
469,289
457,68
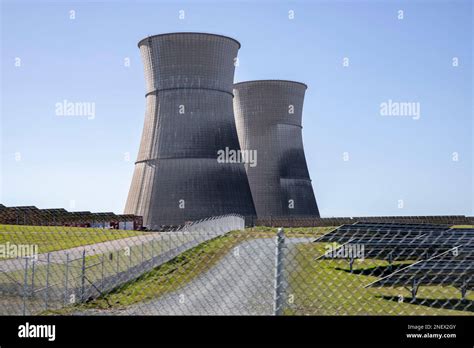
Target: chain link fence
x,y
218,267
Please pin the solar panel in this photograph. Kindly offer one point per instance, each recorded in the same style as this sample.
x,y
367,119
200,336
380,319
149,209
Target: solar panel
x,y
107,216
447,219
346,232
55,211
19,215
402,225
24,207
59,216
454,267
398,243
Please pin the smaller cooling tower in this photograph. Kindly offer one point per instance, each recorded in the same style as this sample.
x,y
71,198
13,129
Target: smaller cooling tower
x,y
268,116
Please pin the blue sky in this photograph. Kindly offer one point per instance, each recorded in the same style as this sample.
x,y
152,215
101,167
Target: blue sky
x,y
81,164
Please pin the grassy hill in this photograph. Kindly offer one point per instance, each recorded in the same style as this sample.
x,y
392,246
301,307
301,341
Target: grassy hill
x,y
52,238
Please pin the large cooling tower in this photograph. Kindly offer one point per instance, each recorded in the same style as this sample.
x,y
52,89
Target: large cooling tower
x,y
189,118
268,115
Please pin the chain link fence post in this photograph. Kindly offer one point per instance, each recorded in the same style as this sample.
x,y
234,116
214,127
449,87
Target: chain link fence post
x,y
66,278
153,252
25,286
278,286
118,262
83,275
46,294
102,271
33,269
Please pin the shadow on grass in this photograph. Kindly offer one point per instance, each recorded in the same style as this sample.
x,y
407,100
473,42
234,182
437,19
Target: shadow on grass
x,y
378,271
454,304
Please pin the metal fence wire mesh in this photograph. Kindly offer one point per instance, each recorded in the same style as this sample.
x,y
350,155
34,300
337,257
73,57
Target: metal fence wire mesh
x,y
217,266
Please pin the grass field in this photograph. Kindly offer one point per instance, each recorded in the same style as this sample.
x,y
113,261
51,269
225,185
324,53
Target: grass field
x,y
97,266
317,287
169,276
292,232
181,270
52,238
326,287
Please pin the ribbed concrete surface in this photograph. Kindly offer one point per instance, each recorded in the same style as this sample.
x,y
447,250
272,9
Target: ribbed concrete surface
x,y
189,118
268,116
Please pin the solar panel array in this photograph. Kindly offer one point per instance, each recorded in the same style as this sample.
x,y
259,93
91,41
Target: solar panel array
x,y
31,215
454,267
311,221
445,255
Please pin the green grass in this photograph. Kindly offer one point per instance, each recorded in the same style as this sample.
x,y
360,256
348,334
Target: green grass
x,y
325,287
113,262
309,232
316,287
182,269
52,238
168,277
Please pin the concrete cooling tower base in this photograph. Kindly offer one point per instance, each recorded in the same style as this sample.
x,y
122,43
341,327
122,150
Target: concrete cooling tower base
x,y
179,197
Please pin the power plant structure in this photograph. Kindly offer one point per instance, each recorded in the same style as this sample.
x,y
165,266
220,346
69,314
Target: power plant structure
x,y
189,118
268,115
